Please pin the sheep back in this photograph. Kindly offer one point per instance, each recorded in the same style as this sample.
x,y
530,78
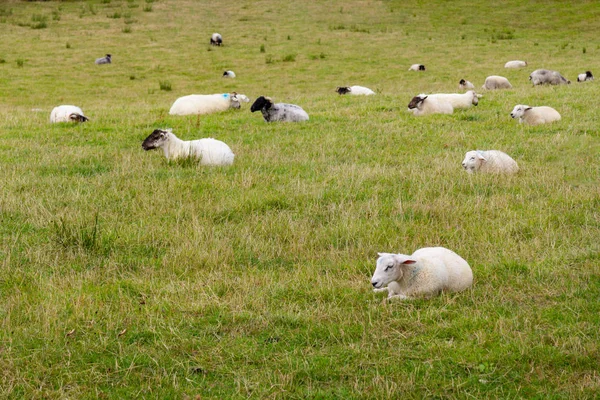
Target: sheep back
x,y
197,104
546,76
496,82
63,114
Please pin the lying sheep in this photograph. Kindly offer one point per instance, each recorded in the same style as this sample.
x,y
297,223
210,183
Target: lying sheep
x,y
198,104
423,105
104,60
586,76
355,90
216,39
228,74
278,112
67,113
490,161
535,115
458,101
463,84
425,273
417,67
546,76
515,64
496,82
209,151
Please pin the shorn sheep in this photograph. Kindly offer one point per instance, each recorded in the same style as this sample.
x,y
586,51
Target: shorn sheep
x,y
496,82
104,60
423,105
355,90
515,64
463,84
535,115
417,67
228,74
198,104
278,112
586,76
209,151
426,273
67,113
546,76
489,161
216,39
458,101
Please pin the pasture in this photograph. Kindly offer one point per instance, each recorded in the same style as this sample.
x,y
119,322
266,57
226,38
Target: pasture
x,y
123,275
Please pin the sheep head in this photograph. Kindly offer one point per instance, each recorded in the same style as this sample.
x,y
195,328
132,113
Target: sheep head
x,y
78,117
156,139
519,111
473,160
261,103
417,101
390,268
237,99
342,90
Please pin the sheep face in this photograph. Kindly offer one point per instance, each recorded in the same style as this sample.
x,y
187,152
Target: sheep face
x,y
473,160
389,268
462,82
475,100
416,101
261,103
237,99
78,118
519,111
156,139
421,67
343,90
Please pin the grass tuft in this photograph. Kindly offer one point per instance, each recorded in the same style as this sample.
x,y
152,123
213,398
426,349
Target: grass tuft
x,y
165,85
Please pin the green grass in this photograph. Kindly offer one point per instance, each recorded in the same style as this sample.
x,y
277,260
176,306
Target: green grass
x,y
125,276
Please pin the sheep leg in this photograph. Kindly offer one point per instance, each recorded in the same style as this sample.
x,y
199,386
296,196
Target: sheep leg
x,y
384,289
393,297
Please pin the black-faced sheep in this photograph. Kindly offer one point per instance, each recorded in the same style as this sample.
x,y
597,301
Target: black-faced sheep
x,y
423,105
104,60
355,90
67,113
278,112
216,39
586,76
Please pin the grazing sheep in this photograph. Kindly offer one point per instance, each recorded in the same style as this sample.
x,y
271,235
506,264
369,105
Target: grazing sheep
x,y
535,115
197,104
209,151
496,82
67,113
423,105
216,39
586,76
417,67
104,60
546,76
228,74
463,84
425,273
355,90
515,64
278,112
458,101
492,161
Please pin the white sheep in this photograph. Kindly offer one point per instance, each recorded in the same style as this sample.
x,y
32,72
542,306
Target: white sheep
x,y
464,84
423,105
67,113
278,112
496,82
535,115
546,76
458,101
355,90
425,273
216,39
489,161
228,74
197,104
417,67
104,60
515,64
586,76
209,151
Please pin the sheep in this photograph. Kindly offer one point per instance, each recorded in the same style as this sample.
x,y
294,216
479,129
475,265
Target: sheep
x,y
543,76
197,104
417,67
496,82
228,74
354,90
515,64
66,113
216,39
458,101
535,115
278,112
426,273
423,105
463,84
104,60
210,151
586,76
489,161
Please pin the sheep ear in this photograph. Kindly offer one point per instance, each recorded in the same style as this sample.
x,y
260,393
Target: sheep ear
x,y
424,98
528,108
403,259
481,156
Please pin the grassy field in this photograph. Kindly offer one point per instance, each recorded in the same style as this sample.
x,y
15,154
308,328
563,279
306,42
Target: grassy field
x,y
125,276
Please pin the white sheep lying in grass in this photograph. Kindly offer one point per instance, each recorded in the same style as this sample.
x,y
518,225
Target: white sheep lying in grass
x,y
278,112
463,84
423,105
515,64
425,273
197,104
535,115
228,74
104,60
417,67
355,90
458,101
546,76
67,113
492,161
209,151
586,76
496,82
216,39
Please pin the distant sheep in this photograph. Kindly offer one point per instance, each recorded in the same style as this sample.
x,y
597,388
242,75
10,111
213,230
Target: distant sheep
x,y
463,84
489,161
417,67
355,90
104,60
216,39
198,104
586,76
426,273
209,151
535,115
423,105
67,113
546,76
515,64
278,112
228,74
496,82
458,101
